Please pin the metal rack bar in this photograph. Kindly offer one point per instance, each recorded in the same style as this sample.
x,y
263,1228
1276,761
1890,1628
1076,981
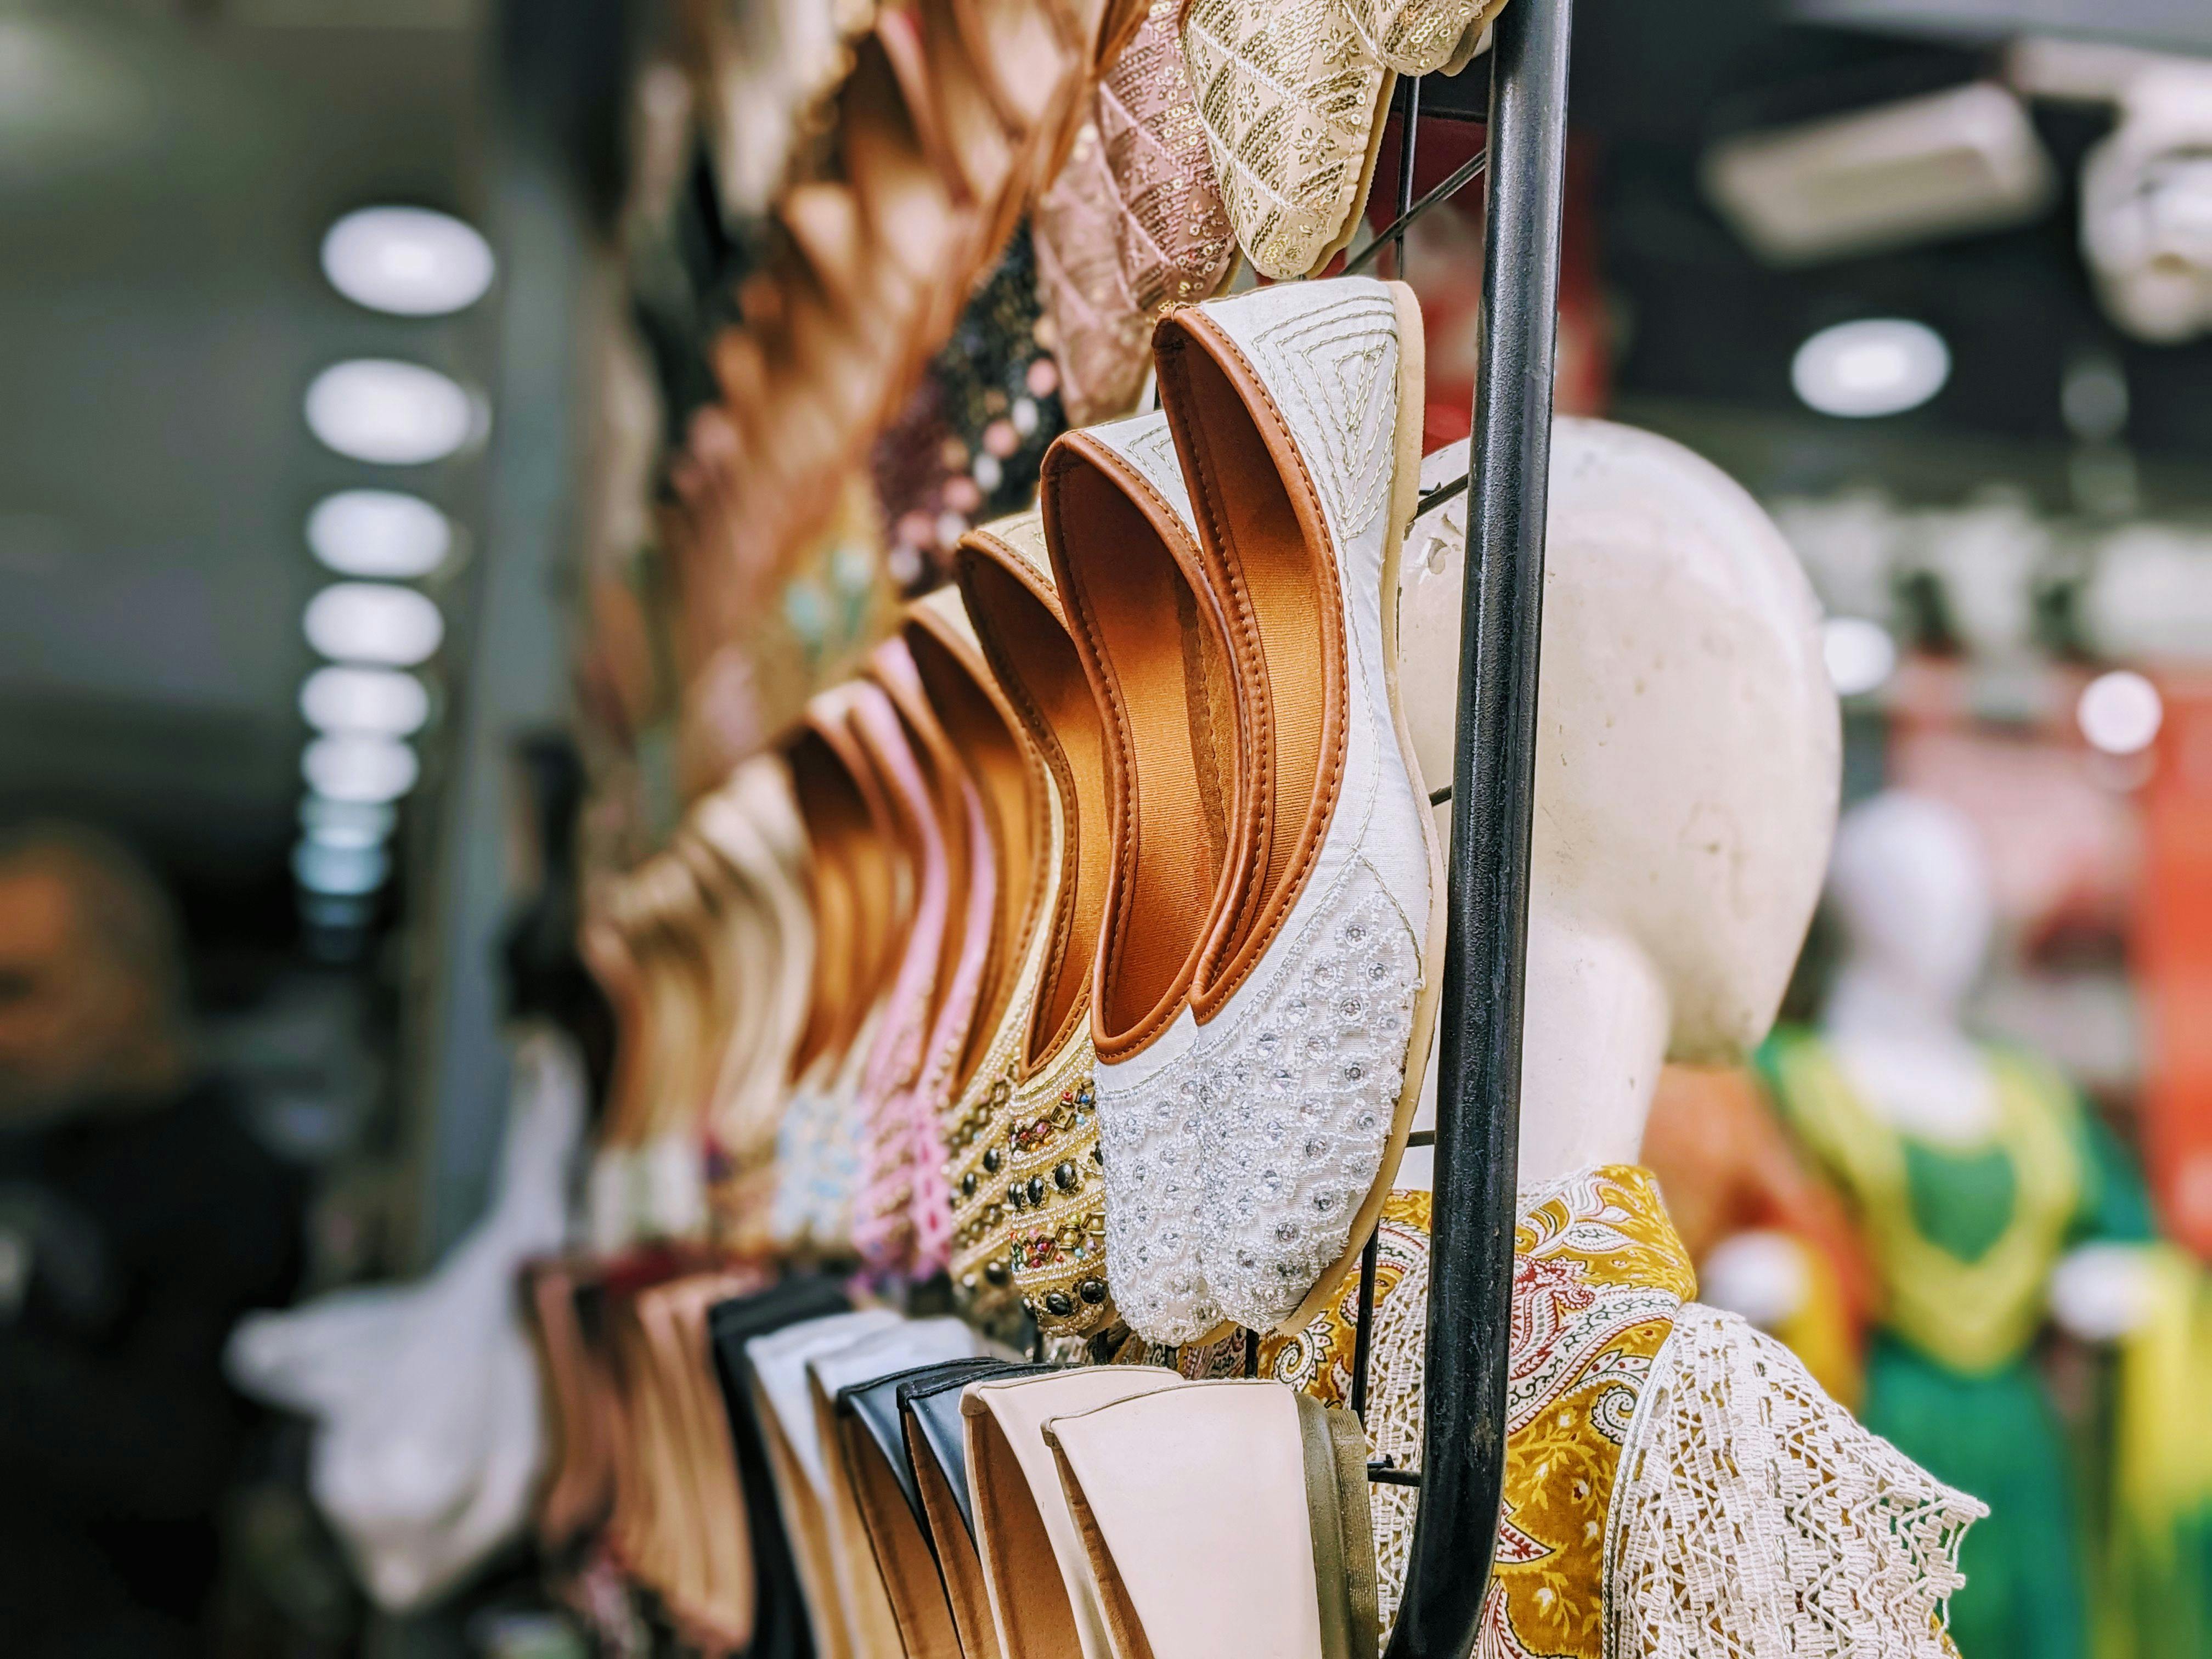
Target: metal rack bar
x,y
1493,789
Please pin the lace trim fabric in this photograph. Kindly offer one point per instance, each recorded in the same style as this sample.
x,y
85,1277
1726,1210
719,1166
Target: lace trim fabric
x,y
1755,1517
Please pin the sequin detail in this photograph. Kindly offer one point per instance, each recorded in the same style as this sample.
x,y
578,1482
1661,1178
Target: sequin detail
x,y
1290,101
1304,1093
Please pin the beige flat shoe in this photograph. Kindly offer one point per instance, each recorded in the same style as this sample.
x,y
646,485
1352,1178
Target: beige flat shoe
x,y
1036,1574
1223,1517
869,1611
784,1404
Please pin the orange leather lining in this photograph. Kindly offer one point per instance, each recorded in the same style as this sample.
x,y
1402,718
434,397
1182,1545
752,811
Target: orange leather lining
x,y
944,772
882,876
1025,637
981,726
1267,541
1127,569
836,819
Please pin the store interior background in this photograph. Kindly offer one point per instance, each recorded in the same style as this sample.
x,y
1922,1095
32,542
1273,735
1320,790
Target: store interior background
x,y
168,170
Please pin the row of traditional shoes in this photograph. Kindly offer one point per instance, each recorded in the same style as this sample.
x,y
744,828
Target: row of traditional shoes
x,y
789,1473
790,1469
952,117
1106,983
1119,917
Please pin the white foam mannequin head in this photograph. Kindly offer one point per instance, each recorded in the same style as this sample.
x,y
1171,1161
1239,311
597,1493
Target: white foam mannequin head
x,y
1910,889
1688,759
1909,886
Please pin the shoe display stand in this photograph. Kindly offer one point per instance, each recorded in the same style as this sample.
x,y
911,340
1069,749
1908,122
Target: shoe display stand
x,y
1493,796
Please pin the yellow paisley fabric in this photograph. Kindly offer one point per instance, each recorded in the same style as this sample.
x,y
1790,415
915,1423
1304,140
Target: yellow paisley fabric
x,y
1599,1274
1598,1277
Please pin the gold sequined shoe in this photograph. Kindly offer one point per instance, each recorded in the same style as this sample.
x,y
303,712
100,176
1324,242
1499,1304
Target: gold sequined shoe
x,y
1422,37
1292,104
1021,821
1043,1215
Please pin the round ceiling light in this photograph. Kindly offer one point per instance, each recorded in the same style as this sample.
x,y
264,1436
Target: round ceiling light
x,y
2120,713
382,702
360,768
374,623
1860,655
1877,366
379,532
395,414
409,261
340,871
346,823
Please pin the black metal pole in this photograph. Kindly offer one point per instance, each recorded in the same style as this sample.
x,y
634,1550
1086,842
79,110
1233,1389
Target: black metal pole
x,y
1494,791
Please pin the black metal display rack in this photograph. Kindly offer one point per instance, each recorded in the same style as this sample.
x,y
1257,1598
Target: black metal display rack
x,y
1493,795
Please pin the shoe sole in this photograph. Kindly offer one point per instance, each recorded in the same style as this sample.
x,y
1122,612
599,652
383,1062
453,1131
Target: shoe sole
x,y
1405,501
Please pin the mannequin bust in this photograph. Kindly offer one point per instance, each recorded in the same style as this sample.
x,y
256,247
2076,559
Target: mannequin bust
x,y
1688,756
1910,889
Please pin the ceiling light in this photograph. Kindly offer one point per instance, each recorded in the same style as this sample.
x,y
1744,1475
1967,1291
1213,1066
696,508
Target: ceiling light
x,y
340,871
1877,366
409,261
346,823
382,702
2120,713
1860,655
360,768
396,414
379,532
374,623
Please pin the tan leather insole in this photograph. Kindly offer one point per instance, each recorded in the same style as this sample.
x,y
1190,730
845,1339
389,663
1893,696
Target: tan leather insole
x,y
957,1563
906,202
945,773
1272,562
903,1554
835,818
883,875
979,729
1043,677
1160,673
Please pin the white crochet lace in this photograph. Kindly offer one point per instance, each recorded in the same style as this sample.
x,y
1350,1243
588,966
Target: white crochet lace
x,y
1301,1094
1754,1518
1395,1363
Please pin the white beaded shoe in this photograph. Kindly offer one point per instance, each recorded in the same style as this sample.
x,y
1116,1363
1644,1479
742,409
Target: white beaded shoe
x,y
1140,610
1296,411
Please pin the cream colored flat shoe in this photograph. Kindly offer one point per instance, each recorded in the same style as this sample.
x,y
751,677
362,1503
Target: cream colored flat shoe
x,y
785,1406
1042,1602
868,1607
1223,1517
